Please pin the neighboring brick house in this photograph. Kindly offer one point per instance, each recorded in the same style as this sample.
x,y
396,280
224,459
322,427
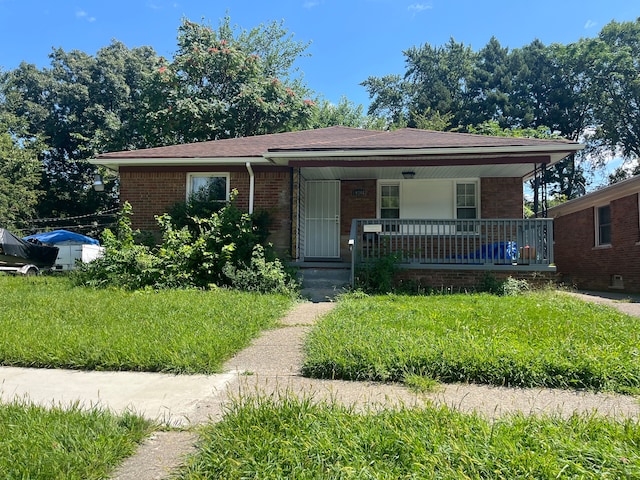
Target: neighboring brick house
x,y
597,238
443,200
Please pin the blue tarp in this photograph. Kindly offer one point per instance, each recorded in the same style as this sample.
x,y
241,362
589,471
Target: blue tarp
x,y
62,236
507,252
497,251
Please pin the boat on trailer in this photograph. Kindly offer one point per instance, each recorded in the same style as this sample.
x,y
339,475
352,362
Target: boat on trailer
x,y
24,257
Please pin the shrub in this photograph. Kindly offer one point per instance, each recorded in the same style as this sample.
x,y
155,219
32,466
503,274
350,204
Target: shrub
x,y
512,286
509,287
376,276
218,250
261,275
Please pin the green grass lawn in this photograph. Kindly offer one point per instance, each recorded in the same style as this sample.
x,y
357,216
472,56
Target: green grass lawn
x,y
297,439
46,322
540,339
38,443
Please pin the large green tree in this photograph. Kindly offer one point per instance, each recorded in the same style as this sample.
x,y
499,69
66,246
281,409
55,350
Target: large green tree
x,y
612,65
220,83
221,86
20,173
81,105
571,90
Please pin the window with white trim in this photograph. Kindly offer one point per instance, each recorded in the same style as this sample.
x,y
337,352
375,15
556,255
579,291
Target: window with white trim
x,y
466,201
208,187
603,225
390,201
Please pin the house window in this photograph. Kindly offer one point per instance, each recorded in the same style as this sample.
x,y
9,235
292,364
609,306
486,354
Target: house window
x,y
390,201
466,201
207,187
603,221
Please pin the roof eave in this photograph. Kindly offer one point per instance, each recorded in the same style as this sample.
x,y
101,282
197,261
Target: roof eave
x,y
555,153
599,197
116,163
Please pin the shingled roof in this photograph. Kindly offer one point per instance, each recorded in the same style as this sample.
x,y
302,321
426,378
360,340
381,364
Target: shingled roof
x,y
341,139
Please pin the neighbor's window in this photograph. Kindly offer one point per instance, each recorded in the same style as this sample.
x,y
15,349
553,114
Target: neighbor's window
x,y
390,201
207,187
603,220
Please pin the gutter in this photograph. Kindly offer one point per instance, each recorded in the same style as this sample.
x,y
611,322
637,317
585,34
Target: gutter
x,y
559,149
252,186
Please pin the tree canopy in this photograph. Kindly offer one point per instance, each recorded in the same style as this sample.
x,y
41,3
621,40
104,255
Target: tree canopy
x,y
587,91
228,82
220,83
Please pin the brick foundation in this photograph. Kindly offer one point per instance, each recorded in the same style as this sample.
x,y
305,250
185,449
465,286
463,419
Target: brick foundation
x,y
467,280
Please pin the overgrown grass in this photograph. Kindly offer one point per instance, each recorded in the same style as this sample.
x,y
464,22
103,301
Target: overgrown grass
x,y
539,339
65,444
46,322
297,439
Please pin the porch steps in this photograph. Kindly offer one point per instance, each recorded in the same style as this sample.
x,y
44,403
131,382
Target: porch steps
x,y
322,284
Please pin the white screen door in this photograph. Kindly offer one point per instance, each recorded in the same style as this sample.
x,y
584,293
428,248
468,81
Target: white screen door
x,y
322,232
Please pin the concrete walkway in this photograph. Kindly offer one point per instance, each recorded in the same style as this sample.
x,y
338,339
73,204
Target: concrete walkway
x,y
271,366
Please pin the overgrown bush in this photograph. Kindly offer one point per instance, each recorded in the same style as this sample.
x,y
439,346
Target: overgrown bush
x,y
509,287
261,275
376,275
204,252
513,286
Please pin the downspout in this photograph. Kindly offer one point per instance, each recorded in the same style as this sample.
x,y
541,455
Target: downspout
x,y
252,186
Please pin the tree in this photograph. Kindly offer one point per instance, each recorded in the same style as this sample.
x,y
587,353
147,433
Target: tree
x,y
216,88
533,87
80,106
219,84
612,64
389,98
490,85
20,173
345,113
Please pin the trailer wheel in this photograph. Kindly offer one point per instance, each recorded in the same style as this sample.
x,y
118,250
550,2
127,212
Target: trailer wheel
x,y
31,272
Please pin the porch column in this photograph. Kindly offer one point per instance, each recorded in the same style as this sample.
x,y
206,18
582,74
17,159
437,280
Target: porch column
x,y
252,186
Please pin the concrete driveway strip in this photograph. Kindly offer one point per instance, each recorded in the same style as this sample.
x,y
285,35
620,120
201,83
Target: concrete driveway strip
x,y
167,399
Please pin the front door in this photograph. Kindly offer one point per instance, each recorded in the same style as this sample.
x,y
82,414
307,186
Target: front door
x,y
322,219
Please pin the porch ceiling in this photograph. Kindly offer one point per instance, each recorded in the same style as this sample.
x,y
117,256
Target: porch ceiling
x,y
387,173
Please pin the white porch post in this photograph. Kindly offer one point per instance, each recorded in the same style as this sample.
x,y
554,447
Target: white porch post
x,y
252,185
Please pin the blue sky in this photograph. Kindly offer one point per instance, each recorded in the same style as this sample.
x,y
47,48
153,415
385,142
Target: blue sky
x,y
350,39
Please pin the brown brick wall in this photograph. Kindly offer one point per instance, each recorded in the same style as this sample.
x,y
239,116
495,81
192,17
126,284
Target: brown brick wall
x,y
501,197
582,264
273,195
151,193
154,191
461,280
357,200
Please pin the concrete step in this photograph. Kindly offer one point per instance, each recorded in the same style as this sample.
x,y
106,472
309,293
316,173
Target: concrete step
x,y
323,284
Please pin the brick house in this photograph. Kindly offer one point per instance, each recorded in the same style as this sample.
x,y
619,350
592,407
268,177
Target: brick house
x,y
597,238
450,204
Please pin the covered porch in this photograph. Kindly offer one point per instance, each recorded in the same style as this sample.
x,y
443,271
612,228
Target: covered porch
x,y
523,243
512,247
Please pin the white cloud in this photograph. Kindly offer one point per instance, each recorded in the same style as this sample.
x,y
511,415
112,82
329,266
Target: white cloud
x,y
589,24
419,7
311,3
82,15
159,5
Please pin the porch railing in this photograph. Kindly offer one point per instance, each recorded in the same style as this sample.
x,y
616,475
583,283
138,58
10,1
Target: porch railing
x,y
454,242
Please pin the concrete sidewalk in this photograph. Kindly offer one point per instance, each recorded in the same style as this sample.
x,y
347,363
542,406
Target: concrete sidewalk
x,y
271,366
167,399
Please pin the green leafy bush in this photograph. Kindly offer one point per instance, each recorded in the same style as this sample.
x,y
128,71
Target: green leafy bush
x,y
376,275
224,249
508,287
261,275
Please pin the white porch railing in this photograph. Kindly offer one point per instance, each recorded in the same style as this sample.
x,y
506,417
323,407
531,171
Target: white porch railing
x,y
426,243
